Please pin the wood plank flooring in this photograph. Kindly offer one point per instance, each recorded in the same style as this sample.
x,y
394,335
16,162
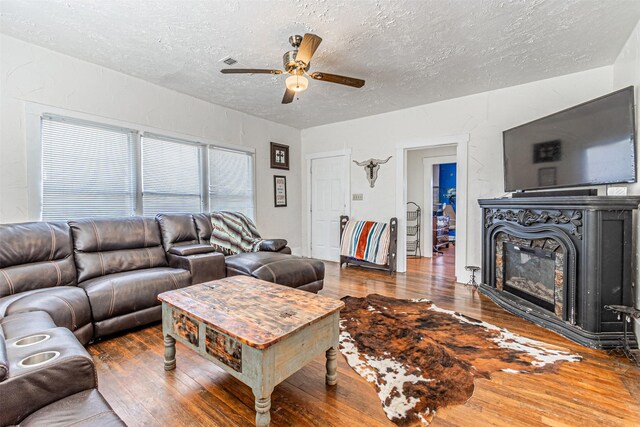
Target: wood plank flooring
x,y
602,390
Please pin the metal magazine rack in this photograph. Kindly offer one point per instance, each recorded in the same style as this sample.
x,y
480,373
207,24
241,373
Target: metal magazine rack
x,y
414,216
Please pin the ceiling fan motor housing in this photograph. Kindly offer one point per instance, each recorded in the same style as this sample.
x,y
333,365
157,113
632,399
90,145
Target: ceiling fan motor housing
x,y
290,64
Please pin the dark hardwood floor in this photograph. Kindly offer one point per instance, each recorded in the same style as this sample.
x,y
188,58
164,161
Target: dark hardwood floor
x,y
602,390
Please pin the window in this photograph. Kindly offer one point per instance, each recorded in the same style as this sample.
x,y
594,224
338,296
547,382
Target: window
x,y
171,176
87,170
90,169
231,181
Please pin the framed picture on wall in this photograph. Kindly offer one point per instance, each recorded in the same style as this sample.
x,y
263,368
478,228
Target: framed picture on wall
x,y
280,191
279,156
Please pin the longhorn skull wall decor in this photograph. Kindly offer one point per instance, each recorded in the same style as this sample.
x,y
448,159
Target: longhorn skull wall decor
x,y
371,168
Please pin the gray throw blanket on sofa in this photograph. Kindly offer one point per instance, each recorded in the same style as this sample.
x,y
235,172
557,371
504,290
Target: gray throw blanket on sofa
x,y
234,233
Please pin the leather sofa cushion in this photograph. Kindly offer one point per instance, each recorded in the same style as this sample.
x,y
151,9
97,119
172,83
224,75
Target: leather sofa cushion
x,y
111,234
85,409
24,324
33,242
4,360
107,246
273,245
30,388
293,272
203,227
187,250
127,292
96,264
35,255
68,306
37,275
246,263
177,229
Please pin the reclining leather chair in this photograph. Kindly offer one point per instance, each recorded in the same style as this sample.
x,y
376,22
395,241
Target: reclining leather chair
x,y
49,379
38,273
122,267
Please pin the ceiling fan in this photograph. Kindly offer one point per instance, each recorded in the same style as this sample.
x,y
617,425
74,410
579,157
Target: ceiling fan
x,y
297,63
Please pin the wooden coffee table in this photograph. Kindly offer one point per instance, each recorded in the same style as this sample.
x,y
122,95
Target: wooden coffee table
x,y
259,332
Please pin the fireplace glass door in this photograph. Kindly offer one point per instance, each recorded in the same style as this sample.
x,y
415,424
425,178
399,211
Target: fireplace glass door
x,y
530,274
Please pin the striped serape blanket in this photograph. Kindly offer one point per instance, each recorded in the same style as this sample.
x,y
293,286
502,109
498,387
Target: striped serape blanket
x,y
234,233
366,241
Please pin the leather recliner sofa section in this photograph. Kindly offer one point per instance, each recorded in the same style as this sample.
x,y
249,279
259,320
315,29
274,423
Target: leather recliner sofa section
x,y
190,233
38,273
49,379
89,278
122,267
71,282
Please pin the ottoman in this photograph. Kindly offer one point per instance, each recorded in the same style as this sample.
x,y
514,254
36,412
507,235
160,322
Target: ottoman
x,y
289,270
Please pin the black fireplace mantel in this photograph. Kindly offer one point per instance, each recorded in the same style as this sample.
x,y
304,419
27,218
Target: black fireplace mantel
x,y
596,232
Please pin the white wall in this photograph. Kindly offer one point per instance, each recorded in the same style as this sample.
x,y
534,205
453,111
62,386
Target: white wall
x,y
483,116
29,73
626,72
416,181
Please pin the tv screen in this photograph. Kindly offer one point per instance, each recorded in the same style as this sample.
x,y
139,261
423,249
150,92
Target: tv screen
x,y
590,144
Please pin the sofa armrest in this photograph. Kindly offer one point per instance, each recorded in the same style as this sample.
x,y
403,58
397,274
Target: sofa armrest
x,y
196,249
31,387
203,267
273,245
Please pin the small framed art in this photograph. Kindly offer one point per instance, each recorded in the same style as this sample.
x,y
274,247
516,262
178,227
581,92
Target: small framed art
x,y
280,191
279,156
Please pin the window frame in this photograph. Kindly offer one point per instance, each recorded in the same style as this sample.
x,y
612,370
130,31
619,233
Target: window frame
x,y
132,137
203,168
34,113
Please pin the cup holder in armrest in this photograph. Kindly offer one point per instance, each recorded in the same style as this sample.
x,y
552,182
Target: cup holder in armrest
x,y
31,340
39,359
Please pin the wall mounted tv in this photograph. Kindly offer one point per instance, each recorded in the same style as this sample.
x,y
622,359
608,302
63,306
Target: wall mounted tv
x,y
589,144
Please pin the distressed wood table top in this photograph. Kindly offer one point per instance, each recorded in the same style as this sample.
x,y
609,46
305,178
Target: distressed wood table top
x,y
253,311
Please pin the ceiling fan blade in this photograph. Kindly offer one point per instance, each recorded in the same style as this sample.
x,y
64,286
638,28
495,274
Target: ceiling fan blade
x,y
310,43
288,96
335,78
249,71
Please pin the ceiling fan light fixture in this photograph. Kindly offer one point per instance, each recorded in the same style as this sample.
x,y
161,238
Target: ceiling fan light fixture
x,y
297,83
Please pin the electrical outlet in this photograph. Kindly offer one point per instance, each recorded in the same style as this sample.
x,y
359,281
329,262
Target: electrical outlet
x,y
616,191
358,197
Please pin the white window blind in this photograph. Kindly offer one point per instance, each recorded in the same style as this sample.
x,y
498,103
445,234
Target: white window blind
x,y
231,184
171,176
87,170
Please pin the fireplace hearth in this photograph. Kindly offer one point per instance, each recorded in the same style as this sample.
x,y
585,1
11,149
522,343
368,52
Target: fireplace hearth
x,y
557,261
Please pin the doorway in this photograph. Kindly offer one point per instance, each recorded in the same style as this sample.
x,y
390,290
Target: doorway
x,y
440,194
403,156
328,200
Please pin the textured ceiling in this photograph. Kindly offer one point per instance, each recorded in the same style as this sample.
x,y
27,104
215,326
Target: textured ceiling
x,y
409,52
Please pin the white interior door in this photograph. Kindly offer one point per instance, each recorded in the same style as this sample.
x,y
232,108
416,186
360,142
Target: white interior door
x,y
328,202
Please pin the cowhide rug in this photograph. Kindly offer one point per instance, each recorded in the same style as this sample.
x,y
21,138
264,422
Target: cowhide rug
x,y
420,357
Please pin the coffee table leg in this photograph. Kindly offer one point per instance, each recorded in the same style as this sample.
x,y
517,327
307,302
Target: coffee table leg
x,y
332,365
263,411
169,353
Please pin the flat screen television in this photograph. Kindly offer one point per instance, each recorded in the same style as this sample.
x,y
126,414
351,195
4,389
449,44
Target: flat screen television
x,y
589,144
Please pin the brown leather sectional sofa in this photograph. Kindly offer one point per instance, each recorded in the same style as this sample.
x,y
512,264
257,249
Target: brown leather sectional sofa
x,y
71,282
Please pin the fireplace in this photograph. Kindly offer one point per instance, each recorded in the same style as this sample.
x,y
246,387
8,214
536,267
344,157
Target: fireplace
x,y
530,274
532,269
557,261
